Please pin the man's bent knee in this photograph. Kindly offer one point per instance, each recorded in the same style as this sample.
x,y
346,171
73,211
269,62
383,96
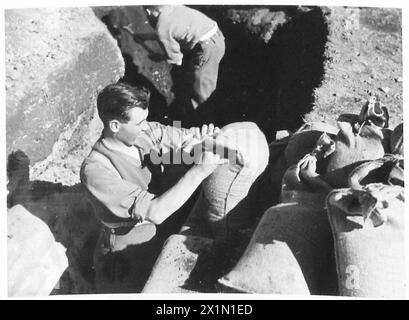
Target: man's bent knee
x,y
249,141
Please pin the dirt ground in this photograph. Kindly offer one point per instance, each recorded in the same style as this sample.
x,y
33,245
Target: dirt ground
x,y
363,57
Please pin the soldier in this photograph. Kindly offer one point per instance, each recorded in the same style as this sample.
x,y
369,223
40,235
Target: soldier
x,y
185,31
132,190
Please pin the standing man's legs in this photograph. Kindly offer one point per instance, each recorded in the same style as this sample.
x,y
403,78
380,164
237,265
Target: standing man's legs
x,y
205,68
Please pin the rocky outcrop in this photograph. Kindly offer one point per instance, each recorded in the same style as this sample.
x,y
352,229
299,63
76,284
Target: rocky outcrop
x,y
56,61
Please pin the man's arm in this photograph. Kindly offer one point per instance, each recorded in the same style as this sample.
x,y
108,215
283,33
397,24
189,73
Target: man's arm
x,y
171,46
179,138
165,205
127,200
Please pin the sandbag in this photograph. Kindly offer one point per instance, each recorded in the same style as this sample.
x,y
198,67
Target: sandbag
x,y
287,152
386,141
229,184
288,251
388,170
368,230
305,175
175,264
305,139
396,140
361,138
351,149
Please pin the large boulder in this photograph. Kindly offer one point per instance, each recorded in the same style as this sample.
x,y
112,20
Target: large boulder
x,y
56,61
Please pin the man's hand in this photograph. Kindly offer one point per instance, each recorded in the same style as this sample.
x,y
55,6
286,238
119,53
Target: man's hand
x,y
206,131
209,161
200,135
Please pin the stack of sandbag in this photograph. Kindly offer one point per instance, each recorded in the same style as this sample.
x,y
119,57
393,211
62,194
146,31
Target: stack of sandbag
x,y
360,138
290,250
35,261
366,213
367,221
284,153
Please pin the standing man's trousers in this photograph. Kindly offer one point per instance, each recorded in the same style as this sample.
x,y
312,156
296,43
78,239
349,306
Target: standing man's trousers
x,y
203,67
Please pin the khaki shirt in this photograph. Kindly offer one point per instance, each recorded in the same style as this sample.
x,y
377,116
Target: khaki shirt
x,y
181,27
124,184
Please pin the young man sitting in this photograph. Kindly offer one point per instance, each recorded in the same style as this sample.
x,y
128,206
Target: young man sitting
x,y
127,175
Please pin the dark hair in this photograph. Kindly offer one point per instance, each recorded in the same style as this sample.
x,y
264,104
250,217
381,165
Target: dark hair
x,y
115,100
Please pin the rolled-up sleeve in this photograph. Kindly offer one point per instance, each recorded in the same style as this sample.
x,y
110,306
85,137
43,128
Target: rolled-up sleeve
x,y
169,137
122,198
172,47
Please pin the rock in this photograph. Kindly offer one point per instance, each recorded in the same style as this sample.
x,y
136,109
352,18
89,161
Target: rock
x,y
123,23
54,69
35,261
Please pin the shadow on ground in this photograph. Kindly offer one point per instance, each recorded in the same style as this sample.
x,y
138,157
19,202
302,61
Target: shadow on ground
x,y
270,83
66,211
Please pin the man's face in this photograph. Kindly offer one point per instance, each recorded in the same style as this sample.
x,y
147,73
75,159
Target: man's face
x,y
128,132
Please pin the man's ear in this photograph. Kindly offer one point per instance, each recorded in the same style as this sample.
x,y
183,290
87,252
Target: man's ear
x,y
114,125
